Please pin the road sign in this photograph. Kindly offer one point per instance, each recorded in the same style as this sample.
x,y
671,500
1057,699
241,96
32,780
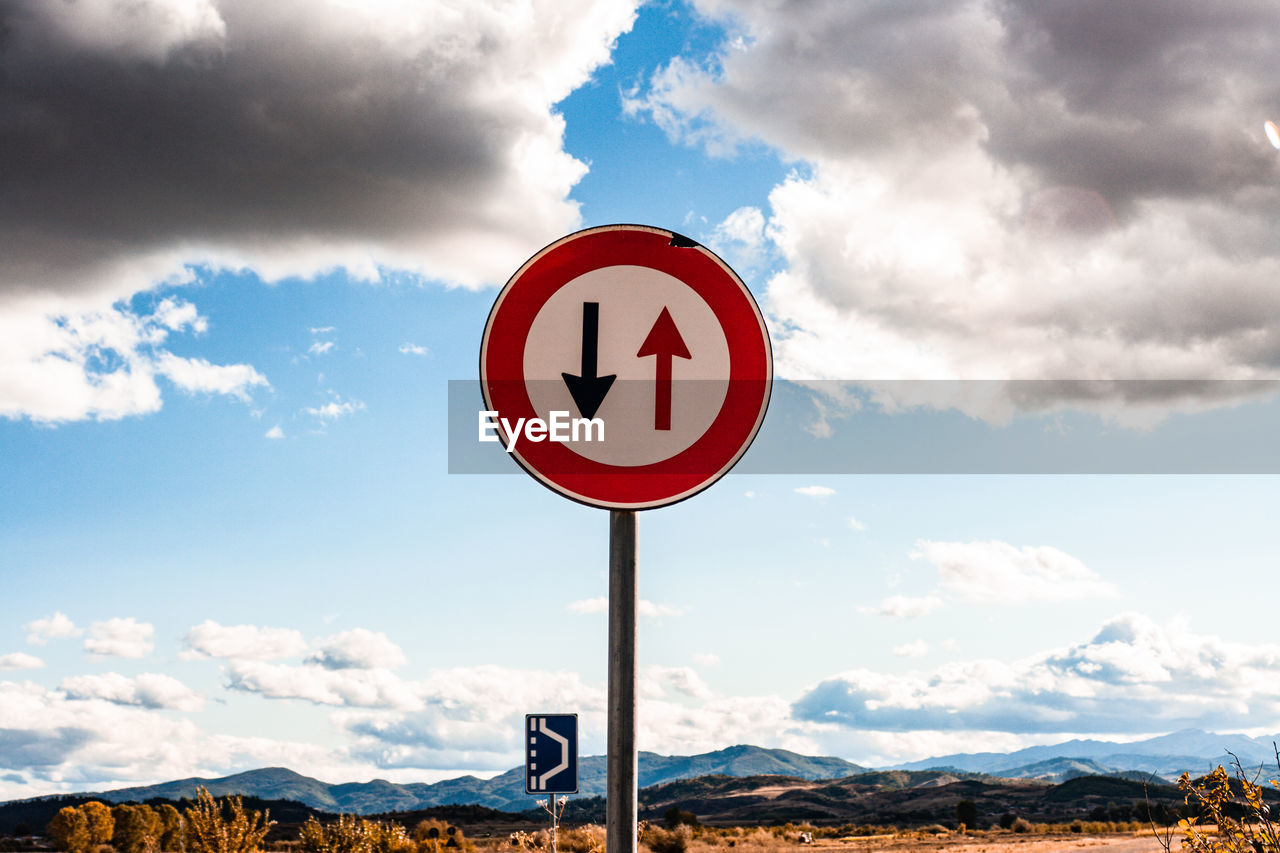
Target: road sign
x,y
644,348
551,754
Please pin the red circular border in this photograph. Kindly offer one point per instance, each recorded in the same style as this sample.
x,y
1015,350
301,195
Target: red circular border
x,y
750,365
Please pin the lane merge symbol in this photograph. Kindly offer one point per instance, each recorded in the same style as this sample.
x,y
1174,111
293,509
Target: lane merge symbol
x,y
551,754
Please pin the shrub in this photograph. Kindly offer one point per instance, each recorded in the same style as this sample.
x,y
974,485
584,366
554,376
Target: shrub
x,y
667,840
1020,825
213,827
583,839
1241,825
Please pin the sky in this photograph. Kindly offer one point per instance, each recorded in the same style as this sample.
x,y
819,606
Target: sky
x,y
1019,268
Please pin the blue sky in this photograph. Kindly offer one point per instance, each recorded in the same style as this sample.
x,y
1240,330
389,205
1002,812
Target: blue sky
x,y
246,251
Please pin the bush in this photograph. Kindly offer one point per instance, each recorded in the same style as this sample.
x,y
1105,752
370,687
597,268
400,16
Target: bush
x,y
1021,825
667,840
1240,825
213,827
584,839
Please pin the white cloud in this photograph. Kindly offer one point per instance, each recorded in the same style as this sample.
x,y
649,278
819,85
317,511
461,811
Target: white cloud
x,y
599,604
972,203
915,649
242,642
196,374
358,648
706,659
177,314
855,524
274,432
1133,676
905,606
360,688
412,349
65,360
740,239
815,491
335,409
63,745
656,680
123,638
57,626
322,330
466,171
320,347
996,572
148,690
20,660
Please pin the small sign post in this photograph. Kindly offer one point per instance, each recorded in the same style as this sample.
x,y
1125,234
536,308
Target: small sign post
x,y
551,762
653,344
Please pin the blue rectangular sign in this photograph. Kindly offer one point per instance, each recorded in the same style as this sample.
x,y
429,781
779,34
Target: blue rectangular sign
x,y
551,754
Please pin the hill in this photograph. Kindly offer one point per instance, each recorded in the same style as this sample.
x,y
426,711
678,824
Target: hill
x,y
504,792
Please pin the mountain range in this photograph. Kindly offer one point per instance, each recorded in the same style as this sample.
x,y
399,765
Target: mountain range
x,y
1165,757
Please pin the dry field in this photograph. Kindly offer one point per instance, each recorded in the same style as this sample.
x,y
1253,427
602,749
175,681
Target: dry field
x,y
1142,842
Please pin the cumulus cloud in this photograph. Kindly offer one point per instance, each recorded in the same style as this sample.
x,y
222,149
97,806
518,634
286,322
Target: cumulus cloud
x,y
242,642
1060,190
415,138
148,690
996,572
20,660
412,349
274,432
474,711
1134,676
57,626
358,648
64,744
69,362
122,638
320,347
360,688
656,680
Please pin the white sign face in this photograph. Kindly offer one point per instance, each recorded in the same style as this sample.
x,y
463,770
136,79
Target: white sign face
x,y
631,300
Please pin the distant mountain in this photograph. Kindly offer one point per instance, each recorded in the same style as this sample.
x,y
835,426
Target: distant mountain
x,y
1191,750
1166,757
504,792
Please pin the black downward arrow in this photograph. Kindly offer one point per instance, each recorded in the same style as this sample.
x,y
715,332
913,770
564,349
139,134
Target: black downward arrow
x,y
589,390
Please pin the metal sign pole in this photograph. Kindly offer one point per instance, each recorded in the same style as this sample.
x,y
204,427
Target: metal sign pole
x,y
620,783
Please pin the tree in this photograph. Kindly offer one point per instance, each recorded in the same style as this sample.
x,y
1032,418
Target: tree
x,y
967,813
137,829
69,830
172,827
213,827
101,823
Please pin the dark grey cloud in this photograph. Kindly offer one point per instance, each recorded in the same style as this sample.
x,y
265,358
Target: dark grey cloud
x,y
245,131
999,189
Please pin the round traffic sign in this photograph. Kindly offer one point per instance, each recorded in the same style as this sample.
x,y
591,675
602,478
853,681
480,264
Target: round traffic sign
x,y
625,367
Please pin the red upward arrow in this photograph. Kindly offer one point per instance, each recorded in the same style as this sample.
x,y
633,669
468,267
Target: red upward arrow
x,y
663,341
